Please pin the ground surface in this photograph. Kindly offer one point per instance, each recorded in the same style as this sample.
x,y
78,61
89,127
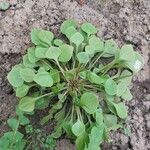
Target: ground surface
x,y
126,21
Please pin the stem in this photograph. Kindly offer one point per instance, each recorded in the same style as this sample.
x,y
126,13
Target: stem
x,y
47,94
44,61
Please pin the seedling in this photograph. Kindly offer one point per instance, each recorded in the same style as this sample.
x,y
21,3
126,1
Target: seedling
x,y
81,78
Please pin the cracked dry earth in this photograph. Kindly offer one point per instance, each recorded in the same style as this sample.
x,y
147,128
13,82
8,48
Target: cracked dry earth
x,y
126,21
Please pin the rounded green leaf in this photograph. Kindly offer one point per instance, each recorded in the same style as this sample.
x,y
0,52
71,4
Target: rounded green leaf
x,y
22,90
27,63
77,38
78,128
14,77
127,53
66,24
121,88
55,75
110,48
41,103
40,52
69,32
31,55
83,57
89,102
4,5
121,110
27,104
27,74
13,123
58,42
44,79
66,53
110,87
127,95
90,49
97,44
89,28
53,53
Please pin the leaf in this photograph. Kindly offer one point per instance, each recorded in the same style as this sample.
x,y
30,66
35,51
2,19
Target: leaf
x,y
83,74
14,77
27,104
121,110
110,87
121,88
97,44
90,50
88,28
94,78
99,117
89,102
27,74
66,53
23,120
55,75
31,55
110,48
58,42
41,103
53,53
44,79
67,126
4,5
95,138
40,52
127,53
127,95
83,57
66,24
82,141
22,90
69,32
13,123
77,38
41,37
78,128
110,121
27,63
136,64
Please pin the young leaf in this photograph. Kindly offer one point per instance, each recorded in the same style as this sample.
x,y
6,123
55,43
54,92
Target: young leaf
x,y
40,52
27,104
41,37
22,90
89,102
127,95
77,38
78,128
121,88
55,75
4,5
14,77
127,53
66,24
41,103
69,32
53,53
97,44
121,110
88,28
27,74
31,55
44,79
110,87
58,42
110,48
82,141
83,57
66,53
27,63
95,138
110,121
13,123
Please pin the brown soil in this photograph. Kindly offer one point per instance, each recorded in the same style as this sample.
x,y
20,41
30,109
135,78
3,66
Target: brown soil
x,y
125,21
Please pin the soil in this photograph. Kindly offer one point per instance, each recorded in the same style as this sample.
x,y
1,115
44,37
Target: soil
x,y
125,21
